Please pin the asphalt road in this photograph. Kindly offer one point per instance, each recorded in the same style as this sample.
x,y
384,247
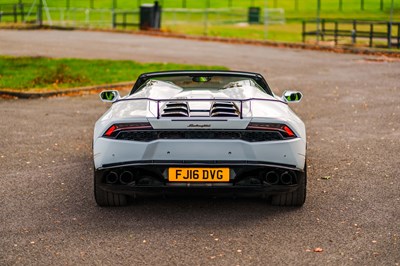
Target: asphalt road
x,y
352,112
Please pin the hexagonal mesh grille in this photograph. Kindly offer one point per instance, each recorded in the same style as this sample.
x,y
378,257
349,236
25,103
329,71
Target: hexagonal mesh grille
x,y
245,135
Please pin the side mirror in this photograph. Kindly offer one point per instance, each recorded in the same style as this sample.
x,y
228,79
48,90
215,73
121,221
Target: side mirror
x,y
292,96
109,96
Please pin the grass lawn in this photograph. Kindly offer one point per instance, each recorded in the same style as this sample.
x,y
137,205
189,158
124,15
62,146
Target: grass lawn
x,y
228,23
289,5
25,73
287,32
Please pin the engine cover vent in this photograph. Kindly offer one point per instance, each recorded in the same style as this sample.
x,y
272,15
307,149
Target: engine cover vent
x,y
176,109
224,109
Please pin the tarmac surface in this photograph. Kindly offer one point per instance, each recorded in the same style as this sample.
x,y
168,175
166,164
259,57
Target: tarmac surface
x,y
351,216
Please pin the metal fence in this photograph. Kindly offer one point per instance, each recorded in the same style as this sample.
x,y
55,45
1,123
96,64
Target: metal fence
x,y
80,17
171,17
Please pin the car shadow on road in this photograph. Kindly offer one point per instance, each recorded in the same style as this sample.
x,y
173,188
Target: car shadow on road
x,y
190,211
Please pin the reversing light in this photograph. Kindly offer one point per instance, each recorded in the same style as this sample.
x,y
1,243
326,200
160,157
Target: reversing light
x,y
115,129
283,129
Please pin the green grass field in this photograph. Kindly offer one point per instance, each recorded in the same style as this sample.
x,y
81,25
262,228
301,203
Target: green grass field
x,y
22,73
223,24
288,5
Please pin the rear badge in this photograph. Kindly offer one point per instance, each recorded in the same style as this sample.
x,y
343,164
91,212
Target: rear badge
x,y
199,125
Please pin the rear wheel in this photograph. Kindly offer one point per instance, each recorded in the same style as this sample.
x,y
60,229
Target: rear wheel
x,y
108,199
295,198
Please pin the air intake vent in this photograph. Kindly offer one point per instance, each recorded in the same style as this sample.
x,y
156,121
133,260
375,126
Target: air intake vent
x,y
176,109
224,109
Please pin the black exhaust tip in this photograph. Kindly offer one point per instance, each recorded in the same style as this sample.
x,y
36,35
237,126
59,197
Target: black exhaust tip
x,y
126,177
112,178
272,178
287,178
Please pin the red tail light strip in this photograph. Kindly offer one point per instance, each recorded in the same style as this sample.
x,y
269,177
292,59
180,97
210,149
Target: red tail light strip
x,y
110,131
286,131
116,128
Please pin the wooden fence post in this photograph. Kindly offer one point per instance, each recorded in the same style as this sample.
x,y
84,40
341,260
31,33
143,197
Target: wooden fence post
x,y
371,34
336,32
15,13
398,35
40,13
304,31
114,19
124,19
22,13
389,35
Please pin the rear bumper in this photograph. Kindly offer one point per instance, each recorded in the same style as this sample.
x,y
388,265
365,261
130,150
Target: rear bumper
x,y
150,178
109,152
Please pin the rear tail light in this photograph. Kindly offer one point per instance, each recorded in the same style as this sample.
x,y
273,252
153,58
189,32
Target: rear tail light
x,y
283,129
114,130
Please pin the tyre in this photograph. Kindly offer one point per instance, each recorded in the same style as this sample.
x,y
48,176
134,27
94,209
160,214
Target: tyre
x,y
295,198
108,199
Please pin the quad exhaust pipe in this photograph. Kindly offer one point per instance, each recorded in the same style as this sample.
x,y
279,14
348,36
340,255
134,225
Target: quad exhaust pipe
x,y
126,178
285,178
112,178
272,178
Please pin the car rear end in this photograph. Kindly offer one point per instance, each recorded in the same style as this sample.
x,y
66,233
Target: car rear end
x,y
225,152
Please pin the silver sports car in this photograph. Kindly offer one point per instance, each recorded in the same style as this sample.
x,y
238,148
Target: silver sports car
x,y
214,132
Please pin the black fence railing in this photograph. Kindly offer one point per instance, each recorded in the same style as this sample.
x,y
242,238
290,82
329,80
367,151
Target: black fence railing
x,y
384,31
17,12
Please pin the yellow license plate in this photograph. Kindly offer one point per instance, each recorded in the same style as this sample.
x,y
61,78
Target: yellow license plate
x,y
198,174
